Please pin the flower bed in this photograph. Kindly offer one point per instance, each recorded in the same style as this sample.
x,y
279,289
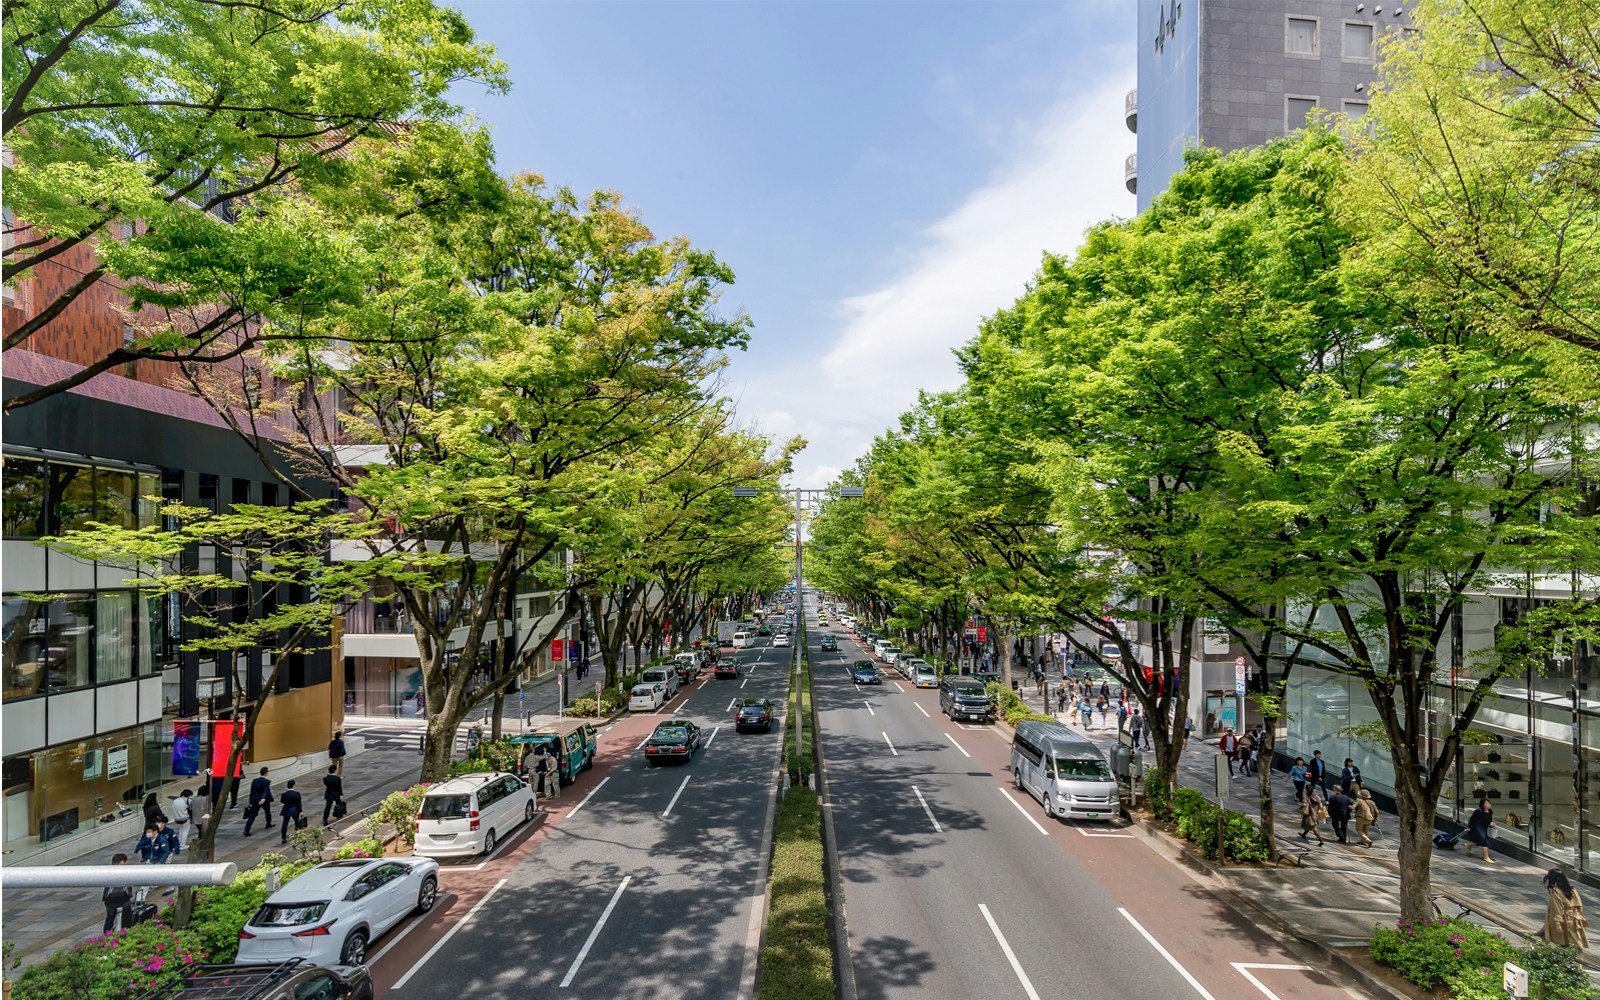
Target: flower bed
x,y
1467,959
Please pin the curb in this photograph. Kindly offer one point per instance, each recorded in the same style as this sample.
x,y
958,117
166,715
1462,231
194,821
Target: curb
x,y
843,970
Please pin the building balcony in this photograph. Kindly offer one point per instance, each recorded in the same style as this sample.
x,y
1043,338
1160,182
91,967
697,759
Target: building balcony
x,y
1130,110
1130,173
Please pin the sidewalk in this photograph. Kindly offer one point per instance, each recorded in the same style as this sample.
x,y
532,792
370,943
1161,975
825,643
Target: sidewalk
x,y
1341,891
39,921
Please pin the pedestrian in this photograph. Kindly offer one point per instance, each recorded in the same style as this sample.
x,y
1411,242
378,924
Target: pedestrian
x,y
1188,731
1478,826
260,801
152,809
1350,776
1317,772
1247,750
332,794
336,752
158,844
1061,697
1564,922
1297,775
182,812
1122,715
290,808
1229,747
544,770
1085,712
1072,713
1135,726
1340,806
118,900
1104,706
1312,815
1105,690
1366,814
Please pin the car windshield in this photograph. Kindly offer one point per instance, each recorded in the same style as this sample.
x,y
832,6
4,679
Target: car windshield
x,y
670,736
971,691
444,806
1083,768
288,914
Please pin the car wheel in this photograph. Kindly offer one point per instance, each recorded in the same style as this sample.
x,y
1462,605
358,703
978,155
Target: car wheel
x,y
1049,806
527,813
488,843
428,894
355,949
588,762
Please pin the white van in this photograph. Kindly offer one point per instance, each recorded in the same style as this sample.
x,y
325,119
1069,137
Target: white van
x,y
467,815
1066,772
743,640
666,676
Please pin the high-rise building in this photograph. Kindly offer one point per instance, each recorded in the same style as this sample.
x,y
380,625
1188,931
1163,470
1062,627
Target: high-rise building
x,y
1231,74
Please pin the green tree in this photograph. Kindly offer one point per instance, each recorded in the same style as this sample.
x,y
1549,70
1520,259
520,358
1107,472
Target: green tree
x,y
169,136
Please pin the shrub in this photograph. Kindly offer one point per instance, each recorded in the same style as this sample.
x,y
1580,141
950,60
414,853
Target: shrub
x,y
1430,952
367,847
399,810
1242,839
796,952
1012,708
1158,793
1553,972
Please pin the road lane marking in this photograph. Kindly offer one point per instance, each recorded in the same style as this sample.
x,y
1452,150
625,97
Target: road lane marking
x,y
1087,833
643,742
372,959
732,702
464,921
678,709
953,743
897,687
869,708
891,745
744,682
1166,955
1245,967
922,710
605,915
1011,956
675,796
936,827
1025,813
592,793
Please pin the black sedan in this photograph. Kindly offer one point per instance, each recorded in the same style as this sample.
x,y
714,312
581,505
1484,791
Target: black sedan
x,y
829,644
672,741
726,668
752,714
863,672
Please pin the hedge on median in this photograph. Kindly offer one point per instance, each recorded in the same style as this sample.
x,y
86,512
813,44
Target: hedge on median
x,y
796,953
1010,707
1466,959
1195,820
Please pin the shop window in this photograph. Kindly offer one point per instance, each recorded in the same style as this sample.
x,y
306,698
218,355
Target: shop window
x,y
147,510
69,789
115,490
152,628
208,491
22,495
71,499
49,645
115,636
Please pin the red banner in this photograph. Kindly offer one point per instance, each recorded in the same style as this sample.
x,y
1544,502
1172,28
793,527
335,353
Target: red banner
x,y
222,747
558,650
983,634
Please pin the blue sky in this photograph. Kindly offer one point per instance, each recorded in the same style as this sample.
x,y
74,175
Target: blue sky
x,y
880,176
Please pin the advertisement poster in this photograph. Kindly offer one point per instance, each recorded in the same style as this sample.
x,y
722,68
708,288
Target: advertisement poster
x,y
186,748
221,747
117,761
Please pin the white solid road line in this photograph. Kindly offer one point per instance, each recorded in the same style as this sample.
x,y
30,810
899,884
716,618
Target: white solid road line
x,y
1245,967
744,682
1166,955
936,827
869,708
1025,814
902,690
953,743
713,735
605,915
464,921
891,745
592,792
1011,956
372,959
732,702
922,710
643,742
675,796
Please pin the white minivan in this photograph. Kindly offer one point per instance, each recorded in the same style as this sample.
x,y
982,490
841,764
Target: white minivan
x,y
742,640
467,815
665,676
1064,771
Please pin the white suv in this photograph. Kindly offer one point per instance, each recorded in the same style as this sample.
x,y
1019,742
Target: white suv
x,y
467,815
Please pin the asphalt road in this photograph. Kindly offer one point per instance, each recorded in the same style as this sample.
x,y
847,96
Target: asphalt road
x,y
957,886
642,882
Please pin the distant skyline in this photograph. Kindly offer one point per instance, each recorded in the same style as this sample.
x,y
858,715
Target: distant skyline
x,y
880,176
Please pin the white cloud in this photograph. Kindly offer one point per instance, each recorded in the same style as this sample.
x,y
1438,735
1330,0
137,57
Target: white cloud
x,y
896,339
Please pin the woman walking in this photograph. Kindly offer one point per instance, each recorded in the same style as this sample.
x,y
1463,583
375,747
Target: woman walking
x,y
1297,774
1366,814
1478,826
1312,813
1564,922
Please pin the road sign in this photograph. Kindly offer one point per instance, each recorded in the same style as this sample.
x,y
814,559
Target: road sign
x,y
1238,677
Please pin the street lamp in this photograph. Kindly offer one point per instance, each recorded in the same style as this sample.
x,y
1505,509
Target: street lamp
x,y
800,498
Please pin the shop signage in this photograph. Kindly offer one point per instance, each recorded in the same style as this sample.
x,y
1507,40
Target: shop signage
x,y
117,761
186,748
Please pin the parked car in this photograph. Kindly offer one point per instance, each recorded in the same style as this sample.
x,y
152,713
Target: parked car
x,y
294,978
676,740
726,668
574,743
865,673
463,816
908,666
965,698
891,654
828,644
647,697
330,914
753,713
781,641
688,665
665,675
925,676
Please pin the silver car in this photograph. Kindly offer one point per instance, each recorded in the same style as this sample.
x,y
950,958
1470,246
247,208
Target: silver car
x,y
328,915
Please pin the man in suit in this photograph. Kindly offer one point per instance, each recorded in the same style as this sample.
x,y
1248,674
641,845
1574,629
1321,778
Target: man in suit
x,y
260,799
290,807
1317,772
332,792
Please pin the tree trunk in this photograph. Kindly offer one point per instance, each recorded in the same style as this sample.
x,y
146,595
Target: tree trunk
x,y
1416,849
442,728
1264,764
1004,640
494,721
